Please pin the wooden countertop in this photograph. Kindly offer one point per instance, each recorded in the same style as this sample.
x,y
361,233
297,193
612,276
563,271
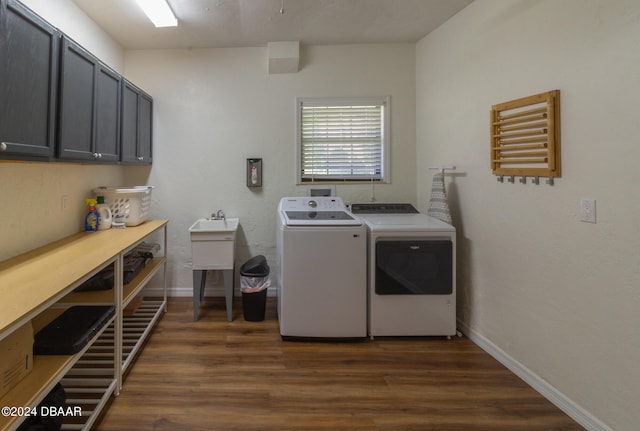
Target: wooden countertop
x,y
38,277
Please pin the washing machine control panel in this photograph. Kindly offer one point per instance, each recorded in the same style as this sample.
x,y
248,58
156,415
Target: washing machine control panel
x,y
316,203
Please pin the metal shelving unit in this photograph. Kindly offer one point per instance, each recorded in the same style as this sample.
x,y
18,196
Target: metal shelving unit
x,y
91,376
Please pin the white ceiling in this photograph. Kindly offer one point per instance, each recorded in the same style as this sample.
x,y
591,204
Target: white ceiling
x,y
236,23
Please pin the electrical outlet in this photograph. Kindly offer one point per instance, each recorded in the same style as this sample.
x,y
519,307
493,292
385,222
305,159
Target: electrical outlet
x,y
64,203
588,210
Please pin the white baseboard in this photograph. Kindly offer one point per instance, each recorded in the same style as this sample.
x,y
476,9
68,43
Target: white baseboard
x,y
573,410
188,292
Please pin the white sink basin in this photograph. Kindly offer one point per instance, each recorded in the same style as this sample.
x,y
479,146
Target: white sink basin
x,y
213,243
207,225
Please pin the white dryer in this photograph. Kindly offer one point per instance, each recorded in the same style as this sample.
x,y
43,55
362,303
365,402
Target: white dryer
x,y
411,271
322,280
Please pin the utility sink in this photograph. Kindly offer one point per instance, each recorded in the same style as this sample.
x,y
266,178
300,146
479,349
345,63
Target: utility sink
x,y
213,243
208,225
213,247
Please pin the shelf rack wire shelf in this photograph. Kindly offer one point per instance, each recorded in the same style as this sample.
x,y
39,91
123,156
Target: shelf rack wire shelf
x,y
91,376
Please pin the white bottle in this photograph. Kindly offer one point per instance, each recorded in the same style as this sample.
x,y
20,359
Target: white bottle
x,y
104,214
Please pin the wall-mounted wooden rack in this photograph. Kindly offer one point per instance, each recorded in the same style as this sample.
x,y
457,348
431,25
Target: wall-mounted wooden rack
x,y
525,136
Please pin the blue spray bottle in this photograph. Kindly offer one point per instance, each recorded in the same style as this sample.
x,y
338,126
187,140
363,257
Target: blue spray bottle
x,y
91,221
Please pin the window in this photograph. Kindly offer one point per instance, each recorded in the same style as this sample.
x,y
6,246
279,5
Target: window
x,y
341,140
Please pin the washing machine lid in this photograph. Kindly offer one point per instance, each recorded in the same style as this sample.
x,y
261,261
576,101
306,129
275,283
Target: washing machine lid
x,y
320,218
317,211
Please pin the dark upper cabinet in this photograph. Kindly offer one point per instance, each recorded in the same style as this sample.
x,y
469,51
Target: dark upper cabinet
x,y
137,125
107,128
28,83
145,127
89,107
58,100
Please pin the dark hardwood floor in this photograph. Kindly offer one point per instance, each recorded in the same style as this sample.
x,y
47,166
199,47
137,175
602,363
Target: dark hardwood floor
x,y
219,375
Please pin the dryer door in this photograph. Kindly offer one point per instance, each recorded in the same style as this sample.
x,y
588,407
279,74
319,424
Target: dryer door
x,y
414,267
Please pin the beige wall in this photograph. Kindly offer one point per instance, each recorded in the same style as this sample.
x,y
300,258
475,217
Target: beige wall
x,y
214,108
558,297
31,201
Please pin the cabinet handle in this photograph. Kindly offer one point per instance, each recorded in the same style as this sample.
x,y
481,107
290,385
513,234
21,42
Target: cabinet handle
x,y
3,146
140,158
96,156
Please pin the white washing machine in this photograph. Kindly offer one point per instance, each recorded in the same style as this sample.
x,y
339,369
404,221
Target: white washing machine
x,y
322,280
411,271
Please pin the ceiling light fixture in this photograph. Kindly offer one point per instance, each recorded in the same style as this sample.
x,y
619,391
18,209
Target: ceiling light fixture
x,y
158,12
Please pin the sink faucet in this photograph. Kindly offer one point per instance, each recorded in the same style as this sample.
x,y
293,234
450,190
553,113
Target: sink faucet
x,y
217,216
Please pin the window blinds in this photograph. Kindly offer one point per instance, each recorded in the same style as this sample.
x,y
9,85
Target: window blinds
x,y
341,141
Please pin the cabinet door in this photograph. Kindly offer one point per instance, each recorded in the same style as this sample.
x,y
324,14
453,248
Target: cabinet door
x,y
107,119
145,128
77,100
129,123
28,83
137,125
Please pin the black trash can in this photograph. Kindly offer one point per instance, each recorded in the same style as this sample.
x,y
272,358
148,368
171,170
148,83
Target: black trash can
x,y
254,281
